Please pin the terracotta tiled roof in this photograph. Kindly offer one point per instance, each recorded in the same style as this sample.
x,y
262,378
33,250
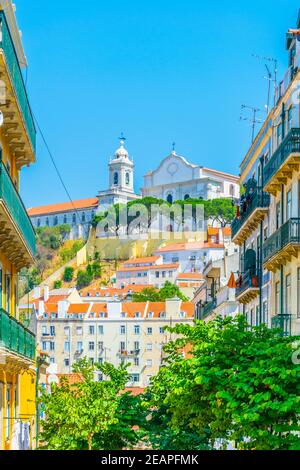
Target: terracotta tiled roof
x,y
111,291
189,246
98,308
190,276
149,259
78,308
63,207
132,308
157,267
51,308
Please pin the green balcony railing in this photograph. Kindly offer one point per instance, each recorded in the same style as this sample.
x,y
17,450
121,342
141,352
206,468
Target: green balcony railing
x,y
7,45
208,308
15,337
290,144
284,323
258,199
16,208
288,233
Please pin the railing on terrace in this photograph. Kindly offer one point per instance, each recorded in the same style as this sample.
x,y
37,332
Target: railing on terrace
x,y
284,323
290,144
15,337
7,45
16,208
258,199
208,308
247,281
288,233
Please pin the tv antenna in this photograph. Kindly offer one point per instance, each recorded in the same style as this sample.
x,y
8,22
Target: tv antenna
x,y
271,76
252,119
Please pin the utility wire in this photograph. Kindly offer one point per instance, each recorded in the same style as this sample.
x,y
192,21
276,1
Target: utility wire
x,y
55,165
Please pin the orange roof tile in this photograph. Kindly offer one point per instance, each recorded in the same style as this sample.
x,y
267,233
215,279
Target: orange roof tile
x,y
131,308
190,276
189,246
78,308
157,267
111,291
149,259
63,207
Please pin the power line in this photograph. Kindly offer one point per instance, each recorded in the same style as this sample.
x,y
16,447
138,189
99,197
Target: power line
x,y
55,165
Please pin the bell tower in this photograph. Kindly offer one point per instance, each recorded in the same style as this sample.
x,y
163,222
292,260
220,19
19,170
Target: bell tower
x,y
121,170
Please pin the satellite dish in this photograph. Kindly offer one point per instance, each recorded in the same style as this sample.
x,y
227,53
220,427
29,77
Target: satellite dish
x,y
224,281
1,119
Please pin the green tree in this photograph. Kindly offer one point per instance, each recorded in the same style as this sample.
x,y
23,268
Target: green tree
x,y
169,291
57,284
89,414
84,278
68,274
97,270
237,384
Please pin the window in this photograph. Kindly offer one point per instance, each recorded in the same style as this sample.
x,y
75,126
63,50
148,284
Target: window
x,y
137,315
277,298
149,331
44,331
67,330
288,294
79,346
232,190
170,199
161,330
100,360
91,330
122,330
52,346
288,205
186,197
100,329
55,220
164,274
44,346
122,346
79,331
67,362
162,315
135,378
290,119
136,361
150,315
137,329
47,222
265,313
116,178
38,222
128,178
182,315
91,346
157,274
83,218
65,219
100,345
52,360
279,133
67,346
136,346
149,362
149,347
74,219
92,360
278,215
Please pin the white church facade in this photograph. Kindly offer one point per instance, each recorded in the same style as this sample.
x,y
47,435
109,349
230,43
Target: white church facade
x,y
177,179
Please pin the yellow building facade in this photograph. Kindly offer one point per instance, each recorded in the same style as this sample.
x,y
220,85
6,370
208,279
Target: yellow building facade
x,y
267,226
17,241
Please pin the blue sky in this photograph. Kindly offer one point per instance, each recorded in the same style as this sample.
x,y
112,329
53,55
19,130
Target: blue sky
x,y
159,70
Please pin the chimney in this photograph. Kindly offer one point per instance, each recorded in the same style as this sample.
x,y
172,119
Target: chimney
x,y
46,293
41,308
63,306
36,292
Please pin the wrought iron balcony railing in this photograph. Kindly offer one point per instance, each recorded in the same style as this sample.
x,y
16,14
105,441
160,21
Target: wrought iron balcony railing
x,y
257,200
11,58
288,233
16,208
208,308
284,323
15,337
247,281
290,144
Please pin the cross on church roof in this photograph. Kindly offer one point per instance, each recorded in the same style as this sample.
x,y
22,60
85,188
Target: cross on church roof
x,y
122,139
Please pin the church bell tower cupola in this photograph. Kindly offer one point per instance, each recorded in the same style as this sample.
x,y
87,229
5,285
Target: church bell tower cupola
x,y
121,169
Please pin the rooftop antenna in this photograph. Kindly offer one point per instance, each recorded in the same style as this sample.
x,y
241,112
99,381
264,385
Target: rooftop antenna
x,y
271,77
254,120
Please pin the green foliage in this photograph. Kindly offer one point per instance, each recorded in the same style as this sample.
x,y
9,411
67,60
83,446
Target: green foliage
x,y
88,414
57,284
239,384
69,253
169,291
52,237
97,270
68,274
84,278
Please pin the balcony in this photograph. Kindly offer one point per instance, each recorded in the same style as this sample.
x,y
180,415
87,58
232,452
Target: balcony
x,y
18,124
15,339
126,354
282,245
284,323
17,236
208,308
256,207
283,163
247,288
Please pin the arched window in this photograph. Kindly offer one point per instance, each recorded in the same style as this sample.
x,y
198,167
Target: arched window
x,y
187,196
170,199
116,178
74,218
83,217
128,178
